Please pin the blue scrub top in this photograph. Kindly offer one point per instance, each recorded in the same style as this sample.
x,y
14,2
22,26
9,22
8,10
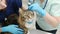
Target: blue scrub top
x,y
12,7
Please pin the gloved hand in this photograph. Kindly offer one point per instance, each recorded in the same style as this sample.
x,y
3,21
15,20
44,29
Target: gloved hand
x,y
36,7
13,29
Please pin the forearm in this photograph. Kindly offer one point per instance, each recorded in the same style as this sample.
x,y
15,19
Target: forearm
x,y
51,20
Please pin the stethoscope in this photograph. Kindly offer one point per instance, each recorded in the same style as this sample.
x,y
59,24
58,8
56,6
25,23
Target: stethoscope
x,y
45,4
32,1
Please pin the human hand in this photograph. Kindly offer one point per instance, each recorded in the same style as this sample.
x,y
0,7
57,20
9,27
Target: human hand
x,y
36,7
13,29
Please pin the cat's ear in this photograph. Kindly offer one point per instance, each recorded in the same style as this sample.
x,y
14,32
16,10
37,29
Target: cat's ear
x,y
21,11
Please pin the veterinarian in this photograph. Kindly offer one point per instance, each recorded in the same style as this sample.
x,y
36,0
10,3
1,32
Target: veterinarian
x,y
8,7
48,15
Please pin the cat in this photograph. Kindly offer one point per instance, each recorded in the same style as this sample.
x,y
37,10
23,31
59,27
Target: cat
x,y
28,18
22,20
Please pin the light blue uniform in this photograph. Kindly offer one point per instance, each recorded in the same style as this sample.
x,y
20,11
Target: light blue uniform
x,y
53,8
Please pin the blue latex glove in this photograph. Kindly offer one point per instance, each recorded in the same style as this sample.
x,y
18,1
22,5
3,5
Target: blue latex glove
x,y
36,7
13,29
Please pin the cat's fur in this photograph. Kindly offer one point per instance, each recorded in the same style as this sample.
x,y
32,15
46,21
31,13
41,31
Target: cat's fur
x,y
20,20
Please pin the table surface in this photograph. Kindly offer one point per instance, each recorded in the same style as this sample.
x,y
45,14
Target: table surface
x,y
38,32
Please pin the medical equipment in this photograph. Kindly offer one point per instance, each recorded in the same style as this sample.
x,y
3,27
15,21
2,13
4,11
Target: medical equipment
x,y
30,2
33,1
45,4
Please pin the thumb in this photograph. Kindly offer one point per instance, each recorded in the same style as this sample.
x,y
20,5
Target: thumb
x,y
14,25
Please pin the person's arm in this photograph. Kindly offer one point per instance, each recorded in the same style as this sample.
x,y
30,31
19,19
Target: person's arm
x,y
52,20
54,17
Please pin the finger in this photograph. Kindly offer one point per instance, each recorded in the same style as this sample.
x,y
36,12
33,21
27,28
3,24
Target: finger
x,y
14,25
20,29
30,7
15,33
19,32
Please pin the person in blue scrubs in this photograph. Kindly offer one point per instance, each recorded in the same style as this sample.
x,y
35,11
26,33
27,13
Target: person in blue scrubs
x,y
9,7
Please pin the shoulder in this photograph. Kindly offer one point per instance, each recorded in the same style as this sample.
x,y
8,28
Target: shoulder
x,y
51,4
